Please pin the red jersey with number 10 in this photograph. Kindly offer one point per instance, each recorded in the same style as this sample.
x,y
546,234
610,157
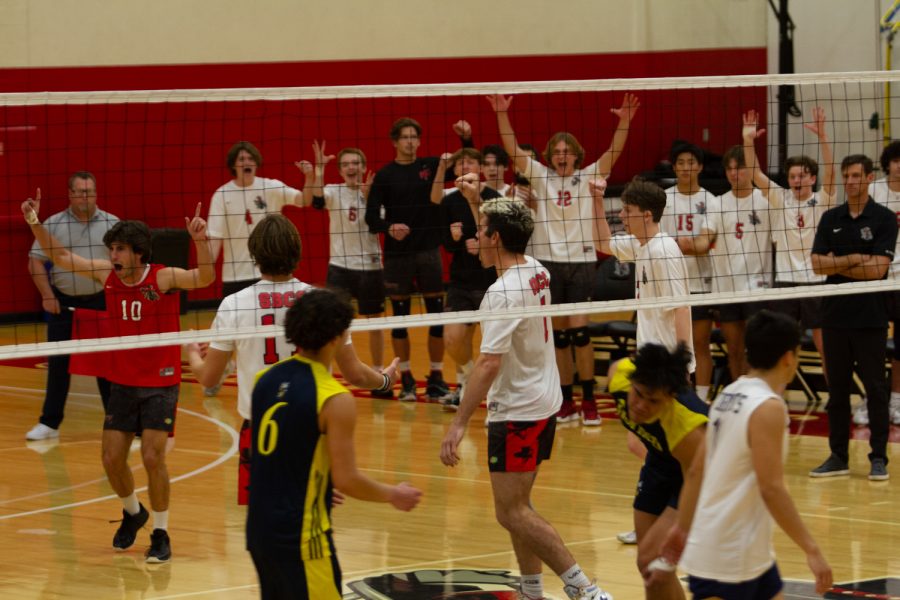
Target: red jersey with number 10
x,y
141,309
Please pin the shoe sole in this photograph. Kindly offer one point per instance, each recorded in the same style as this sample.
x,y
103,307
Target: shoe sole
x,y
153,560
879,477
591,422
569,419
815,475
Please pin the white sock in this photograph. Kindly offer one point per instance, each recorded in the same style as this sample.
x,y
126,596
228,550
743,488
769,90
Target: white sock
x,y
703,392
437,366
403,365
161,519
575,577
895,399
131,504
533,586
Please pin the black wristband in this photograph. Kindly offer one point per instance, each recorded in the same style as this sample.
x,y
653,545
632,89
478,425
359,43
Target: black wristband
x,y
384,386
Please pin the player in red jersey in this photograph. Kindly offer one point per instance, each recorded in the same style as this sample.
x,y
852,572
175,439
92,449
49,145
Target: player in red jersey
x,y
140,298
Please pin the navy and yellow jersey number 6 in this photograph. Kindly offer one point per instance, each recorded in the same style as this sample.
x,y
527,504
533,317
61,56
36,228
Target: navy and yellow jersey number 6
x,y
267,440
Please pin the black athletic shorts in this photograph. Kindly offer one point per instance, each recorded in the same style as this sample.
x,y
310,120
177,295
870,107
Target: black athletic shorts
x,y
134,409
571,282
519,446
463,299
738,311
424,267
808,311
766,585
656,489
282,574
367,287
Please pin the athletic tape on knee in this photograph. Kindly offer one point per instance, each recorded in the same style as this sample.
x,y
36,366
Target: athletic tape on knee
x,y
580,336
401,309
561,338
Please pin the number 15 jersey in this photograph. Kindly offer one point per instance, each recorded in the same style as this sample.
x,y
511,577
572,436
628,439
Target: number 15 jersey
x,y
263,303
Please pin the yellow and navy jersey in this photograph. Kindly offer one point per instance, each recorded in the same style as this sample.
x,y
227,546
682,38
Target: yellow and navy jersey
x,y
677,420
290,470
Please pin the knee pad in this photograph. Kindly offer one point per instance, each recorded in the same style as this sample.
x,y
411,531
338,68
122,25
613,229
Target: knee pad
x,y
436,331
561,338
401,309
434,304
580,336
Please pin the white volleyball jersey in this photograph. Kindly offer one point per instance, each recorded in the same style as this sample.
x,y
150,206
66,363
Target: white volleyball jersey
x,y
527,385
660,271
352,246
731,537
683,217
233,213
742,253
564,214
263,303
794,225
883,195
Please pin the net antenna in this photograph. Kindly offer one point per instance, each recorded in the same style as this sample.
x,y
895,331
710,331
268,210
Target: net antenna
x,y
888,26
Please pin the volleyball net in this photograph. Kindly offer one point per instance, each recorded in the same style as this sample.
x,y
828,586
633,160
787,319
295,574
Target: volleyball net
x,y
156,155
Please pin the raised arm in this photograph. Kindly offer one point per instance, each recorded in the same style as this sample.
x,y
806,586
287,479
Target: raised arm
x,y
337,421
818,127
750,133
41,281
204,273
625,113
501,104
98,268
315,176
602,232
440,176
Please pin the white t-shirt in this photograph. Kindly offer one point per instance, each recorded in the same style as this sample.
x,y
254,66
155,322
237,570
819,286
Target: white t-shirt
x,y
564,215
883,195
527,385
731,536
742,253
234,212
683,217
660,271
263,303
794,225
352,246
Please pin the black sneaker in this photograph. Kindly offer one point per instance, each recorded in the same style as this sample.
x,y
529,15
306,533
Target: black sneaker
x,y
124,538
407,387
160,550
436,388
386,395
878,471
452,403
832,467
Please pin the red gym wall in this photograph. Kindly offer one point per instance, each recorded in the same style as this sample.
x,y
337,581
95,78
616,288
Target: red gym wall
x,y
155,161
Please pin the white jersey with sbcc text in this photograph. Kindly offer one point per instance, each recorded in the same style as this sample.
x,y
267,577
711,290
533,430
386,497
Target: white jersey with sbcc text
x,y
233,213
263,303
527,386
683,217
883,195
660,271
742,252
794,225
731,536
564,214
352,245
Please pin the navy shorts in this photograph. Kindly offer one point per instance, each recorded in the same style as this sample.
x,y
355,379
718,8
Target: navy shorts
x,y
424,267
133,409
571,282
657,489
282,574
367,287
763,587
519,446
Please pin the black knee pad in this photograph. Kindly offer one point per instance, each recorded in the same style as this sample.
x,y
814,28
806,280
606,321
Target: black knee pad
x,y
436,331
434,304
561,338
401,309
580,336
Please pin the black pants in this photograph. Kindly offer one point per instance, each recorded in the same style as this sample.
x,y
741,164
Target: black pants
x,y
863,351
59,329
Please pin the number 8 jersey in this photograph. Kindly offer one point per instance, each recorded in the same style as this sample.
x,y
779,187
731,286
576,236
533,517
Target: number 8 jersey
x,y
140,309
263,303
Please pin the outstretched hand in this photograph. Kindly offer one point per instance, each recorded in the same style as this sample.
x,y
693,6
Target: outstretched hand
x,y
499,102
321,159
196,226
32,205
630,105
818,124
751,122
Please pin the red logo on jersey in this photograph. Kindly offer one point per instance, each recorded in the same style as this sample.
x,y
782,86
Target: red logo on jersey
x,y
149,293
539,282
425,174
278,299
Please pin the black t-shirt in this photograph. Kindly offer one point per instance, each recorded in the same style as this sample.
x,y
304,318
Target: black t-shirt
x,y
465,269
873,232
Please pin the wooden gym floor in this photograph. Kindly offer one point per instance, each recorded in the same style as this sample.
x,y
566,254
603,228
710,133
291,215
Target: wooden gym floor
x,y
55,504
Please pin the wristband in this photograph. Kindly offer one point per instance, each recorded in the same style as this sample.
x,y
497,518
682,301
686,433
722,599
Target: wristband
x,y
31,218
384,386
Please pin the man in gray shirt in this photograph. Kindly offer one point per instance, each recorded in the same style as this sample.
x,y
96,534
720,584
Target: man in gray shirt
x,y
80,228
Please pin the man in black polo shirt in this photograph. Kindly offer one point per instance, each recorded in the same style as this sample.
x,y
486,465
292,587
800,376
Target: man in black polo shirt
x,y
855,242
412,235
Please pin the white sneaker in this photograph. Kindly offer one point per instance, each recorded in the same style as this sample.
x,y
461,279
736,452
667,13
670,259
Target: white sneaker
x,y
861,414
627,537
592,592
895,416
41,432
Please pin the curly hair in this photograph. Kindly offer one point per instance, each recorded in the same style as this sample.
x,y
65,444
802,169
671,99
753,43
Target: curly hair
x,y
656,368
316,318
134,233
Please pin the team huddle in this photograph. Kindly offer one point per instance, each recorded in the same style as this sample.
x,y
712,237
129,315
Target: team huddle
x,y
525,244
